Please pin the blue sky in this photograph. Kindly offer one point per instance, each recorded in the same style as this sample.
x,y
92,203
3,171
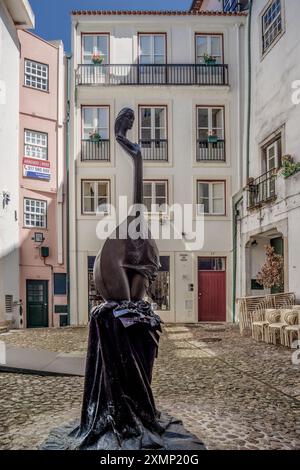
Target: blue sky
x,y
53,19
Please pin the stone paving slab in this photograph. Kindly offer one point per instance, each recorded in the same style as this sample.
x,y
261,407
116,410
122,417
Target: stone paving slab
x,y
33,360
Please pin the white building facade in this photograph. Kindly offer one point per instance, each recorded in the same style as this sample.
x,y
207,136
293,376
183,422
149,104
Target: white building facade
x,y
189,123
268,212
14,15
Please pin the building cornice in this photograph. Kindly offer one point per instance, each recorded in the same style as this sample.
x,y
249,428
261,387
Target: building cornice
x,y
154,13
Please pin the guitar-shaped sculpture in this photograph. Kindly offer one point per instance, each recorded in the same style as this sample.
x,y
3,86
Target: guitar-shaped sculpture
x,y
125,267
118,410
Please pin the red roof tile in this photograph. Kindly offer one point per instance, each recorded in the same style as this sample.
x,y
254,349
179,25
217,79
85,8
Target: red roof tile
x,y
156,12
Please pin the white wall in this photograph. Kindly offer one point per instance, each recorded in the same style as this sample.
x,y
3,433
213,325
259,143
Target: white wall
x,y
272,108
9,177
182,171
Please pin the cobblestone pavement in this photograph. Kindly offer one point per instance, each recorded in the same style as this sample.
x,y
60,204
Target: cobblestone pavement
x,y
230,391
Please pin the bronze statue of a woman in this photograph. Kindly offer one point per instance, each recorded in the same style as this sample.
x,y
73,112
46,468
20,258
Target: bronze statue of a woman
x,y
118,410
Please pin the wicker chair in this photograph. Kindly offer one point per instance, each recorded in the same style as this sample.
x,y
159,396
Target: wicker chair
x,y
276,330
292,332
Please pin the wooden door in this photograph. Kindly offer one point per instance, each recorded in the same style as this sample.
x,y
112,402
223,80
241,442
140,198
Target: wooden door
x,y
212,289
37,303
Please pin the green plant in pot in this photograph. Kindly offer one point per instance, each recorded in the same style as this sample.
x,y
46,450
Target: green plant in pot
x,y
212,137
97,58
95,137
209,59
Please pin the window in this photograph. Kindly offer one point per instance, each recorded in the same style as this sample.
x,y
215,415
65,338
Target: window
x,y
271,24
60,284
35,213
36,75
95,196
152,48
160,288
95,120
272,153
210,44
211,264
210,122
36,145
212,195
155,195
153,132
93,43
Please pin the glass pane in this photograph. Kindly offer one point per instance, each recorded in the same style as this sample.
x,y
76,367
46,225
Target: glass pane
x,y
89,205
146,117
205,203
216,48
146,134
203,117
102,189
159,45
217,118
145,48
102,117
218,190
160,189
160,117
89,189
88,43
147,202
102,46
203,190
145,59
147,189
88,117
218,206
201,46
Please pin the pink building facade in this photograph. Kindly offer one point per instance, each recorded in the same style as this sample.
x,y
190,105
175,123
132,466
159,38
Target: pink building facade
x,y
43,191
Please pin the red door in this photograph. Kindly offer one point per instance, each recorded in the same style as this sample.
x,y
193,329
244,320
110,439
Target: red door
x,y
211,289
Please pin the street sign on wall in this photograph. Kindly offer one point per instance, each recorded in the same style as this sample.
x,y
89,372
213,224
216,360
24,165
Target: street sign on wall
x,y
37,169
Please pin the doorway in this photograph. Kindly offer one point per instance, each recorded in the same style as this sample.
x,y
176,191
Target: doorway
x,y
37,303
211,289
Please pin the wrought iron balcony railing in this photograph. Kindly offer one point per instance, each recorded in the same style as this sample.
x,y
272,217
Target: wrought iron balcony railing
x,y
163,74
262,190
235,5
95,151
210,151
154,150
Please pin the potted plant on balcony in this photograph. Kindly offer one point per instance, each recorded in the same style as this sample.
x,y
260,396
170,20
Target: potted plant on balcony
x,y
212,137
209,59
95,136
97,58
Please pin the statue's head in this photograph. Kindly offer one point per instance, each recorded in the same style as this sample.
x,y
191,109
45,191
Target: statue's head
x,y
124,121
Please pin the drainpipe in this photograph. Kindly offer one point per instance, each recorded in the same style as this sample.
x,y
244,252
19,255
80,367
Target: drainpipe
x,y
68,76
249,91
236,200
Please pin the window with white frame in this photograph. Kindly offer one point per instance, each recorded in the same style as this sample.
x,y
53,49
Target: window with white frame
x,y
152,48
155,195
272,24
211,45
36,144
211,194
95,196
35,213
95,121
210,122
95,44
153,125
36,75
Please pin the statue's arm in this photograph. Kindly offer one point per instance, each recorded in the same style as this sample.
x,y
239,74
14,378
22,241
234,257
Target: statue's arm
x,y
132,149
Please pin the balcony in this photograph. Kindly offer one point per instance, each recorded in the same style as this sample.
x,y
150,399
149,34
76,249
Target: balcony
x,y
164,74
262,190
95,151
210,151
235,5
154,150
